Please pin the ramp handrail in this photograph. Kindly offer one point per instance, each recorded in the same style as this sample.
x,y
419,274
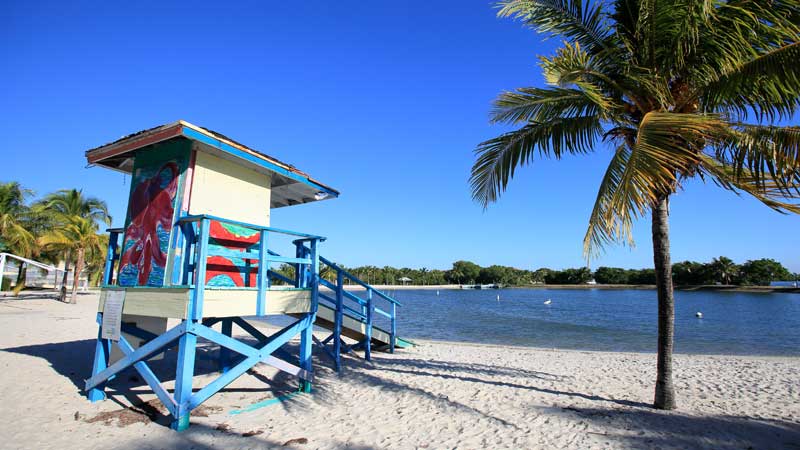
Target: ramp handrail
x,y
366,306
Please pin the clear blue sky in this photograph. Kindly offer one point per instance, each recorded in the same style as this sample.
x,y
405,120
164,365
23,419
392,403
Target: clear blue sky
x,y
384,101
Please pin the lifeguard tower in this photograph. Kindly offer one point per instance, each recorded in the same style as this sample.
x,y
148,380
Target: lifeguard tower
x,y
194,249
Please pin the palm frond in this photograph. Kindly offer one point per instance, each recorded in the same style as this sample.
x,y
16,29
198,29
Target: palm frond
x,y
764,154
674,140
606,226
768,84
767,192
643,168
681,31
580,21
497,159
572,66
537,104
625,17
15,237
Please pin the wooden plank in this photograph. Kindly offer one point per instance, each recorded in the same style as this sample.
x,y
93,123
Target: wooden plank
x,y
150,378
240,302
141,353
351,327
183,380
218,184
153,302
195,310
159,134
173,302
263,274
263,352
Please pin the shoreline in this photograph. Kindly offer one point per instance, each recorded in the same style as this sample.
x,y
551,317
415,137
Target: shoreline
x,y
710,288
436,342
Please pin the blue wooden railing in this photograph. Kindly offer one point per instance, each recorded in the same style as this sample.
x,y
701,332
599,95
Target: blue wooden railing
x,y
361,308
191,251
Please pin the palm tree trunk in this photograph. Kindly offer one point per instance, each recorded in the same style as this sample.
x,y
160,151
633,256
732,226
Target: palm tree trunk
x,y
63,290
66,268
78,268
22,272
665,392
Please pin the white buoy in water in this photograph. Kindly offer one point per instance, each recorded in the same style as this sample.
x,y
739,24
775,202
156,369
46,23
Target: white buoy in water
x,y
437,292
498,297
548,301
699,315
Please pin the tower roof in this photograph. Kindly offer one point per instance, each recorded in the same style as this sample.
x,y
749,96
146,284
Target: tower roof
x,y
290,186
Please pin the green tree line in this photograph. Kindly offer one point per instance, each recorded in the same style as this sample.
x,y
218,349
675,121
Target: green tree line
x,y
758,272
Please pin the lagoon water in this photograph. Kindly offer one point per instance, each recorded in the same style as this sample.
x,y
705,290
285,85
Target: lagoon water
x,y
609,320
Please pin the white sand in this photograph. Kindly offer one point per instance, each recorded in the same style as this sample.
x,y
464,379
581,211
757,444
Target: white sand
x,y
438,395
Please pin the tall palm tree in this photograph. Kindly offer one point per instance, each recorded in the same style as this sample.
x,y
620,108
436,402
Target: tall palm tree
x,y
79,236
681,89
63,208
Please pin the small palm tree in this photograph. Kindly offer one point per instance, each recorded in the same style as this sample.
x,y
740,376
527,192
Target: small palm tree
x,y
96,260
77,236
15,234
14,237
673,86
724,269
63,208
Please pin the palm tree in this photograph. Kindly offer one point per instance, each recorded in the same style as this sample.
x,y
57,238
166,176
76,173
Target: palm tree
x,y
63,208
724,269
78,236
15,237
96,260
674,86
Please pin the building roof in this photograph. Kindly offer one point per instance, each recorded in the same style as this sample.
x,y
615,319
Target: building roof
x,y
290,186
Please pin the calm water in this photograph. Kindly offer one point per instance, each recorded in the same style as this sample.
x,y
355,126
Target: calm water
x,y
612,320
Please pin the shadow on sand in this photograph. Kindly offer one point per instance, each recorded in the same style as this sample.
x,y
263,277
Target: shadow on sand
x,y
73,360
627,423
649,428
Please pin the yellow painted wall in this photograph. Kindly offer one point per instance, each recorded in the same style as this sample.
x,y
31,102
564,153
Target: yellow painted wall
x,y
228,190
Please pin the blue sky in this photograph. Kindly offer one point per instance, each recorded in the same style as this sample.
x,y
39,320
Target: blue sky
x,y
384,101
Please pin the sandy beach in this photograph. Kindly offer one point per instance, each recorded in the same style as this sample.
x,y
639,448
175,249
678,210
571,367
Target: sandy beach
x,y
437,395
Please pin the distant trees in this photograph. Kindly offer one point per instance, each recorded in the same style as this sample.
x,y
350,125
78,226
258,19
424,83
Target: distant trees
x,y
685,273
692,273
569,276
762,272
611,275
464,272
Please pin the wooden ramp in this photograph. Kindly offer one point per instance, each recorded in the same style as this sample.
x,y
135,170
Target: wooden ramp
x,y
356,329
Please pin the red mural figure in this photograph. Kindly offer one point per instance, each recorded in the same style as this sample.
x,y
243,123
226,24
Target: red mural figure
x,y
151,207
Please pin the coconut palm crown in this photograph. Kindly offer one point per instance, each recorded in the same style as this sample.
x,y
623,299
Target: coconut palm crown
x,y
14,236
679,89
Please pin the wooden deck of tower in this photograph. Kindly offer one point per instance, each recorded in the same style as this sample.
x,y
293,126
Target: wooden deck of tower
x,y
196,247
